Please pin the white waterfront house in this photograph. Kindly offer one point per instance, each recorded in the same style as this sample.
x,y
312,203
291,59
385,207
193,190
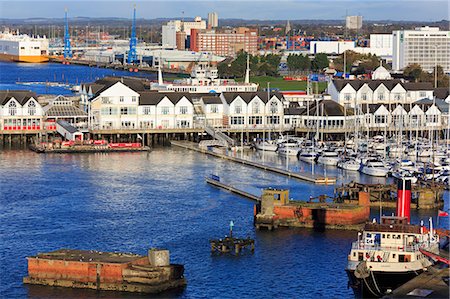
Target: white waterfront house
x,y
253,109
20,111
360,92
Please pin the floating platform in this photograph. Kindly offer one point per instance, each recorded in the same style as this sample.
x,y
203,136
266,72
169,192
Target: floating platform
x,y
274,209
232,245
109,271
301,176
89,149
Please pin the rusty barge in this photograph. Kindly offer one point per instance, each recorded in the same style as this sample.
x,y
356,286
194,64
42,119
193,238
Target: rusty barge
x,y
108,271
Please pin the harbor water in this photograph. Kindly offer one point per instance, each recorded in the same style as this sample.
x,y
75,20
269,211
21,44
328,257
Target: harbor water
x,y
130,202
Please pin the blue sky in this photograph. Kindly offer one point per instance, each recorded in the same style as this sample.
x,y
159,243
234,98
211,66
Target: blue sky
x,y
425,10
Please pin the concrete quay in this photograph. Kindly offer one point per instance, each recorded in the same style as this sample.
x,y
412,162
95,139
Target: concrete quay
x,y
304,177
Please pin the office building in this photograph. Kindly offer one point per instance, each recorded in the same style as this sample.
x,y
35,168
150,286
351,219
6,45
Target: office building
x,y
426,46
213,20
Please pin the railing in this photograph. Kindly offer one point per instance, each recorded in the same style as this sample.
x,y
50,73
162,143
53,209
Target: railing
x,y
368,247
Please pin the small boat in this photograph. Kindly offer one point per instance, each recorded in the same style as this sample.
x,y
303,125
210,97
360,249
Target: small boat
x,y
405,174
374,168
288,149
328,157
266,146
308,155
349,164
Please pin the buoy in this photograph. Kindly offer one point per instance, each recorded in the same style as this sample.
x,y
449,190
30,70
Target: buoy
x,y
136,70
131,70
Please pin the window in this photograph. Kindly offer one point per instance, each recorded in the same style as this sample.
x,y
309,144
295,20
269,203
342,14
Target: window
x,y
122,98
128,124
422,94
214,108
127,110
273,120
255,120
381,96
12,108
165,110
31,108
105,100
255,107
273,107
183,109
238,109
237,120
364,96
147,110
347,96
133,99
109,111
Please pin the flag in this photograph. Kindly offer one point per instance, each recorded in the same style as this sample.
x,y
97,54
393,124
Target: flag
x,y
442,213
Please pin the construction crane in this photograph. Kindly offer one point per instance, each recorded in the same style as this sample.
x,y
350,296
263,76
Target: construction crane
x,y
132,55
67,46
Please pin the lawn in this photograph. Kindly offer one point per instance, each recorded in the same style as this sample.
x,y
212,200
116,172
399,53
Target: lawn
x,y
278,82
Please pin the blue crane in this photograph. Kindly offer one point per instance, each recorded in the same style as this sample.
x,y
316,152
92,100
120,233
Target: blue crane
x,y
67,46
132,55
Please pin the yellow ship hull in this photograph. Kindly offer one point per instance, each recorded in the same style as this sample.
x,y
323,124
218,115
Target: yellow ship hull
x,y
19,58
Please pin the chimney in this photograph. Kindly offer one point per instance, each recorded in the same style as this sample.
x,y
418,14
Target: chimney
x,y
404,198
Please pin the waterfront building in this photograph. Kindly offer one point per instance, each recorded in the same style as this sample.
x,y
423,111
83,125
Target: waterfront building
x,y
253,109
213,109
63,108
361,92
353,22
225,42
20,111
213,20
426,46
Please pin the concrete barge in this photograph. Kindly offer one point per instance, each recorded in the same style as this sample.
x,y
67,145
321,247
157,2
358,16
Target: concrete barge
x,y
108,271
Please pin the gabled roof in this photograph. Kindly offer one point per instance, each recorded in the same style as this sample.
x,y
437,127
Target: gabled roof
x,y
374,84
22,96
294,109
211,100
99,86
154,97
328,108
249,96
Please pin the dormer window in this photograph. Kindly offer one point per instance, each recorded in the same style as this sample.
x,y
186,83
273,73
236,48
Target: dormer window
x,y
12,108
31,108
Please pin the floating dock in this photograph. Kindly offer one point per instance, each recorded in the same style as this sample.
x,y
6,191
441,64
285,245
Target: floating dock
x,y
108,271
274,209
301,176
93,148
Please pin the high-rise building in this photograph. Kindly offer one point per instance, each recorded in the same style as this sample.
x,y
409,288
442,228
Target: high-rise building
x,y
426,46
181,40
225,43
213,20
353,22
169,35
170,30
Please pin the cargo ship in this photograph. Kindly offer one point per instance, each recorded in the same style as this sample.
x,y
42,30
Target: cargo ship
x,y
23,48
390,253
106,271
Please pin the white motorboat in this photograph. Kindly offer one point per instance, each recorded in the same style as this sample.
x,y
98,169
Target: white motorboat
x,y
349,164
288,149
266,146
374,168
308,155
405,174
328,157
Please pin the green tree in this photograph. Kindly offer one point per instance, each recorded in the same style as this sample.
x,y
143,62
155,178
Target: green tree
x,y
320,62
414,72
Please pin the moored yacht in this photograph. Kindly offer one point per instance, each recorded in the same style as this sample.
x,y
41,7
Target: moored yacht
x,y
349,164
288,149
374,168
308,155
328,157
268,146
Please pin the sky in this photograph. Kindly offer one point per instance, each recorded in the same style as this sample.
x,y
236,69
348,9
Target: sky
x,y
397,10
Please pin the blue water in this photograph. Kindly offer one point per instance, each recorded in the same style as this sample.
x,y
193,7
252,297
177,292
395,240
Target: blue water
x,y
11,73
131,202
135,201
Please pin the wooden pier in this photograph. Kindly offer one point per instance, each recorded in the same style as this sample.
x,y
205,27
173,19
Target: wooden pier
x,y
304,177
215,181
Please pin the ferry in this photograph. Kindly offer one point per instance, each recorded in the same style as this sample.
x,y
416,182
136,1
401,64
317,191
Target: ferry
x,y
204,79
23,48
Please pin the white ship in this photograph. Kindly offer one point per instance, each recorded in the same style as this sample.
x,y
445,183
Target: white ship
x,y
23,48
205,79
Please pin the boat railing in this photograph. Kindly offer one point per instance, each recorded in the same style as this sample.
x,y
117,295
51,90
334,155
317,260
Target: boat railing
x,y
376,247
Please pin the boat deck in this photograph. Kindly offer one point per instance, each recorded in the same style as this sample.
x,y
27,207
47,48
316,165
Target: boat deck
x,y
89,256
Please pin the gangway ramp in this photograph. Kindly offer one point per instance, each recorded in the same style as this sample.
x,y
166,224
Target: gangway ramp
x,y
216,134
68,131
